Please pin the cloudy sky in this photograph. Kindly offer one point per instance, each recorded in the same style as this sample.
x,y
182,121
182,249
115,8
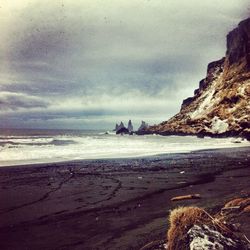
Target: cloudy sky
x,y
91,63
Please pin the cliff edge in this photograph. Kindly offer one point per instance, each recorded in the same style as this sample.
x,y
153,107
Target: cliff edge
x,y
221,104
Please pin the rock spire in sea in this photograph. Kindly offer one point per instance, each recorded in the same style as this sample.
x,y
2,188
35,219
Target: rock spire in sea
x,y
130,126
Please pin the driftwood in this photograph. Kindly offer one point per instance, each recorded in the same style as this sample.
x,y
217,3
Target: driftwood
x,y
186,197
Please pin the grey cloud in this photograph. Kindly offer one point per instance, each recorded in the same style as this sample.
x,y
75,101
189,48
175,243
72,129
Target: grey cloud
x,y
93,49
10,101
43,86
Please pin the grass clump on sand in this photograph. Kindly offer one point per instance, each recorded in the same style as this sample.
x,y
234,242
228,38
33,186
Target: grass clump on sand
x,y
183,218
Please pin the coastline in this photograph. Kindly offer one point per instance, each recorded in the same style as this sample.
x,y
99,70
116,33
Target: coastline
x,y
59,160
227,134
112,203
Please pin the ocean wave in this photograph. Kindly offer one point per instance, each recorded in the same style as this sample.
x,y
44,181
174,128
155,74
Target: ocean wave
x,y
99,146
55,142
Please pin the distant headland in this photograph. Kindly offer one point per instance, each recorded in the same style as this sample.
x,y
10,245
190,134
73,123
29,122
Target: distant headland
x,y
220,106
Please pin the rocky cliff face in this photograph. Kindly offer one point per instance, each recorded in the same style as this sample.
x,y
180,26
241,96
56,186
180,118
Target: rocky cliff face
x,y
221,104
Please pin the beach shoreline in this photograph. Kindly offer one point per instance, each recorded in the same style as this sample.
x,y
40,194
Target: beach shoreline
x,y
112,203
64,146
46,162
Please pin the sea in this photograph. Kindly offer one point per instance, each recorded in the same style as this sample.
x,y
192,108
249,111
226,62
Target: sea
x,y
29,146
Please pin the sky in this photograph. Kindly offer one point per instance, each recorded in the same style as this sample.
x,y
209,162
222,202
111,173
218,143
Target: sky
x,y
89,64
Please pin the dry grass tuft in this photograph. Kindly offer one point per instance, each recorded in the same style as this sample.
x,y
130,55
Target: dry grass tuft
x,y
181,220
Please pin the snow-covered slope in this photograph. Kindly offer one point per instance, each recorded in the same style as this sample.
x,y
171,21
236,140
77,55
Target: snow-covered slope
x,y
221,104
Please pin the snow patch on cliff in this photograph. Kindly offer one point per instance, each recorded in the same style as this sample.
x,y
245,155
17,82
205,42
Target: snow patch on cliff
x,y
243,88
204,105
218,126
207,100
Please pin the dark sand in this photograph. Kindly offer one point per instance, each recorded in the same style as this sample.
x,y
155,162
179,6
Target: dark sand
x,y
112,204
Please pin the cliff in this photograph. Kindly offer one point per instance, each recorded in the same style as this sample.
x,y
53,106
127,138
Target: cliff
x,y
221,104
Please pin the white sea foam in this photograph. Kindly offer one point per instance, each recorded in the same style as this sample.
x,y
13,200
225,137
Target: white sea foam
x,y
16,150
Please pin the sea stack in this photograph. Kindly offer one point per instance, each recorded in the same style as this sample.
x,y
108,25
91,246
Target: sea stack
x,y
116,127
221,105
143,128
120,126
130,127
121,129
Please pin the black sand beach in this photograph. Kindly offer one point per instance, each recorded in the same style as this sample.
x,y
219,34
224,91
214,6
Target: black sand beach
x,y
112,204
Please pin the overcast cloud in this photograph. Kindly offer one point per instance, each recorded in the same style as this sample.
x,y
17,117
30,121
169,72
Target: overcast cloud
x,y
91,63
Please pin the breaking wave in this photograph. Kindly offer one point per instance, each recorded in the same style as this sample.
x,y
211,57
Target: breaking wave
x,y
55,147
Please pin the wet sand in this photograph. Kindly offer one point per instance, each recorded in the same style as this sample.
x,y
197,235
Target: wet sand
x,y
112,204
